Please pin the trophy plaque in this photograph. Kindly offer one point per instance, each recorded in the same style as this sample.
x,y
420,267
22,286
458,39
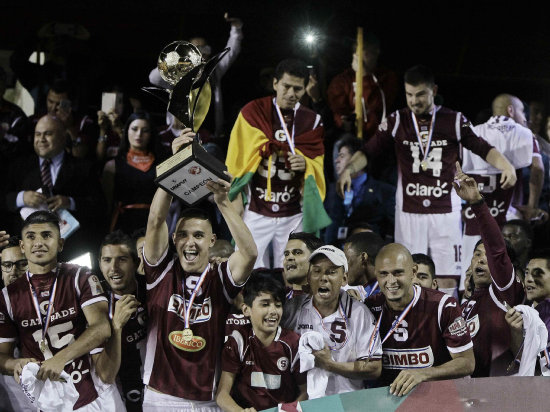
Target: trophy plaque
x,y
186,173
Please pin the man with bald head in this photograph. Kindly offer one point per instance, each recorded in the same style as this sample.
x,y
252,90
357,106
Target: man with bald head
x,y
424,336
53,179
507,131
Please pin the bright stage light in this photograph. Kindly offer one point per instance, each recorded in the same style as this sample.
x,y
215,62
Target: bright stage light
x,y
83,260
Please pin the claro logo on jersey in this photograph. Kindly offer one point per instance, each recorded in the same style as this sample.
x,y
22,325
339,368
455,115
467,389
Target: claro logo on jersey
x,y
496,208
199,312
417,189
408,358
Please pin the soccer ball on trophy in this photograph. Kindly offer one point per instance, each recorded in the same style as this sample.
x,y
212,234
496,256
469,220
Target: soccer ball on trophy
x,y
177,59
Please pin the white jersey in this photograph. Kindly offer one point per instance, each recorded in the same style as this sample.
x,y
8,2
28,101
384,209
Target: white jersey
x,y
513,140
347,332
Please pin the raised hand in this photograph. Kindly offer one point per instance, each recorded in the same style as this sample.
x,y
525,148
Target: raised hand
x,y
466,186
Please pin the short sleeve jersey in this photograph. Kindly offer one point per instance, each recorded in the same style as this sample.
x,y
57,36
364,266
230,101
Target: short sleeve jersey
x,y
418,190
347,332
76,289
170,358
265,376
431,330
133,338
286,185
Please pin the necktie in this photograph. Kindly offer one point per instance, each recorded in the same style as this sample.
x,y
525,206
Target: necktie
x,y
46,174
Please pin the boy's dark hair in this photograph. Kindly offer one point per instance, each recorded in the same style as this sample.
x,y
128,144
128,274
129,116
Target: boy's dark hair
x,y
523,225
13,241
352,143
258,283
369,242
293,67
418,75
311,241
120,238
42,216
423,259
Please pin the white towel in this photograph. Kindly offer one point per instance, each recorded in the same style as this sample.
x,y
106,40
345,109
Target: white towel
x,y
536,337
317,378
48,396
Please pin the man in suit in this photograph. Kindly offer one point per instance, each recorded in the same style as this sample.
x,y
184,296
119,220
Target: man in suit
x,y
51,177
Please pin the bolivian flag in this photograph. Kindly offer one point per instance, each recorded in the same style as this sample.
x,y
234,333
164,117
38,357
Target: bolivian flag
x,y
252,139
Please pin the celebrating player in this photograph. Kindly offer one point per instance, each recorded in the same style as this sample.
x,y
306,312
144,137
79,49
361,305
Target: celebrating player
x,y
346,325
122,356
427,140
188,299
424,336
57,312
495,283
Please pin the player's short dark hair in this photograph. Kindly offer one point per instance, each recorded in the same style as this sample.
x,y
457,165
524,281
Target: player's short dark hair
x,y
543,254
61,86
261,282
194,213
311,241
523,225
293,67
368,242
41,216
352,143
13,241
509,251
118,237
419,74
423,259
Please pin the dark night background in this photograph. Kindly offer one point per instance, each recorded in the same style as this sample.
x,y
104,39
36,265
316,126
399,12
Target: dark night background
x,y
476,49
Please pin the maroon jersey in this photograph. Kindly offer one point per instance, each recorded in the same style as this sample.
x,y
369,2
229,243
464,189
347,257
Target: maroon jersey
x,y
265,376
76,289
433,328
484,311
426,191
170,359
235,321
133,350
286,185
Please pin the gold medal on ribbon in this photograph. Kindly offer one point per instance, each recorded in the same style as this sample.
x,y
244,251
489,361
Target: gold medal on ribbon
x,y
43,345
187,335
424,165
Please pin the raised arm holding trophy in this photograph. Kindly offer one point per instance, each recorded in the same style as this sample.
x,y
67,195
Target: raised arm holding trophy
x,y
186,173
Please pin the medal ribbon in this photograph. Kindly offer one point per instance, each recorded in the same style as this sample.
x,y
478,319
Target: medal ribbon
x,y
111,304
430,133
375,334
341,310
44,323
290,140
374,287
193,295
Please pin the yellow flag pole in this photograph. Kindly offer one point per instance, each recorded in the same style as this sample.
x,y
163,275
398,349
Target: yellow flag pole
x,y
359,84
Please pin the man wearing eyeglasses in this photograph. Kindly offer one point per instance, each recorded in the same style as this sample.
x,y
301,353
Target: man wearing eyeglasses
x,y
14,264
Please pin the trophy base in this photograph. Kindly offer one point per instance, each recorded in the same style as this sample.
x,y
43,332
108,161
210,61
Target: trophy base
x,y
185,174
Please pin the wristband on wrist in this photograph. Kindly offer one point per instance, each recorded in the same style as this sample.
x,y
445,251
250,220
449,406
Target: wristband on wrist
x,y
478,202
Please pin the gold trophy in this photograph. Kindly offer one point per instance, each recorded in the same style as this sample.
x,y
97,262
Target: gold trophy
x,y
185,174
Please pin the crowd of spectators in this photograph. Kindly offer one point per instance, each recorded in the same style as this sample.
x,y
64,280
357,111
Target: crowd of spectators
x,y
419,252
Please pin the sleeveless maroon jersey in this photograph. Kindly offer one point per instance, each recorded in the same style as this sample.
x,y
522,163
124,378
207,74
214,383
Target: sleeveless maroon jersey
x,y
76,289
428,191
484,311
286,185
265,376
133,350
433,328
169,368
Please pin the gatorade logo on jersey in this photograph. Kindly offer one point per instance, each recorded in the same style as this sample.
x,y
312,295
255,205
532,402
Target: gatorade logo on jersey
x,y
408,358
200,312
